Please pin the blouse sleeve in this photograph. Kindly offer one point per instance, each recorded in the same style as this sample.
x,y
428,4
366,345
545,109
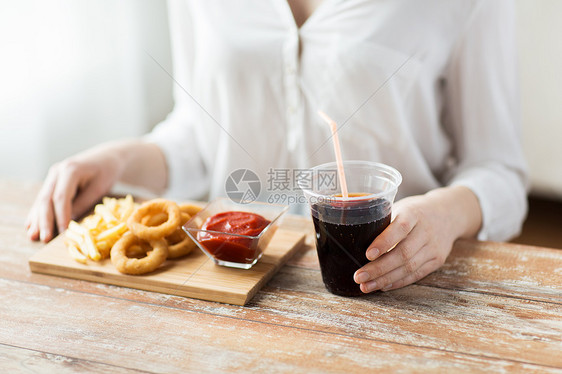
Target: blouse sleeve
x,y
481,115
187,177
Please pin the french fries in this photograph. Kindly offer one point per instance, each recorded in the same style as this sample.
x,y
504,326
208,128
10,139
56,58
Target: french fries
x,y
95,235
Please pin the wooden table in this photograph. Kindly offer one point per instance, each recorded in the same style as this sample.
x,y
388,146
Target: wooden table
x,y
491,307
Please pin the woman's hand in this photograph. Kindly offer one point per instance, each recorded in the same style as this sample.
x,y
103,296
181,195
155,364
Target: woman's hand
x,y
72,186
420,238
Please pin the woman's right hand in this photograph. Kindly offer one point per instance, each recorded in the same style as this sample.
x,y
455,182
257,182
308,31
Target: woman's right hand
x,y
72,186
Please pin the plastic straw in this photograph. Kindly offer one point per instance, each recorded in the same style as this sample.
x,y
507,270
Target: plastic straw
x,y
337,150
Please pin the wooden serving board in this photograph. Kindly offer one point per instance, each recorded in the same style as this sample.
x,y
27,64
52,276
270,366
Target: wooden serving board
x,y
195,275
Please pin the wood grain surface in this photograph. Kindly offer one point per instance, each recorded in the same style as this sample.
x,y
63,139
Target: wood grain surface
x,y
493,307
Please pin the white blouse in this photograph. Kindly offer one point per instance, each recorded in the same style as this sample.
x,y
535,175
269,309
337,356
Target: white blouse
x,y
428,87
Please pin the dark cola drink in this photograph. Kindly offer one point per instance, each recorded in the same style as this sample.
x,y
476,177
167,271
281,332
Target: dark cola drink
x,y
344,231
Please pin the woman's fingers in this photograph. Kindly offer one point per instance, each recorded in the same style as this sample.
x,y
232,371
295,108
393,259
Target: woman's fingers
x,y
74,184
407,256
398,270
63,194
397,231
424,270
89,195
46,221
32,228
53,206
40,219
31,224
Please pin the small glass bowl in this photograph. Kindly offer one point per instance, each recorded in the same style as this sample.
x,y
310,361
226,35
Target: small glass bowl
x,y
253,245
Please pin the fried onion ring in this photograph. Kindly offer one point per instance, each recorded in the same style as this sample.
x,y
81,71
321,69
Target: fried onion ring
x,y
138,250
190,209
154,220
159,218
179,243
154,207
182,248
156,254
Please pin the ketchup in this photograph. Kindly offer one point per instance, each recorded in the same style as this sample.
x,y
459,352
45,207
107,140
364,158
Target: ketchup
x,y
230,247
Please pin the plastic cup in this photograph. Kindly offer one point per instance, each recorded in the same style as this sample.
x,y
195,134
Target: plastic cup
x,y
346,227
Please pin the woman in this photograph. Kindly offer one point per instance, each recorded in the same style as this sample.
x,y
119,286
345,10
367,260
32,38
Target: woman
x,y
428,87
